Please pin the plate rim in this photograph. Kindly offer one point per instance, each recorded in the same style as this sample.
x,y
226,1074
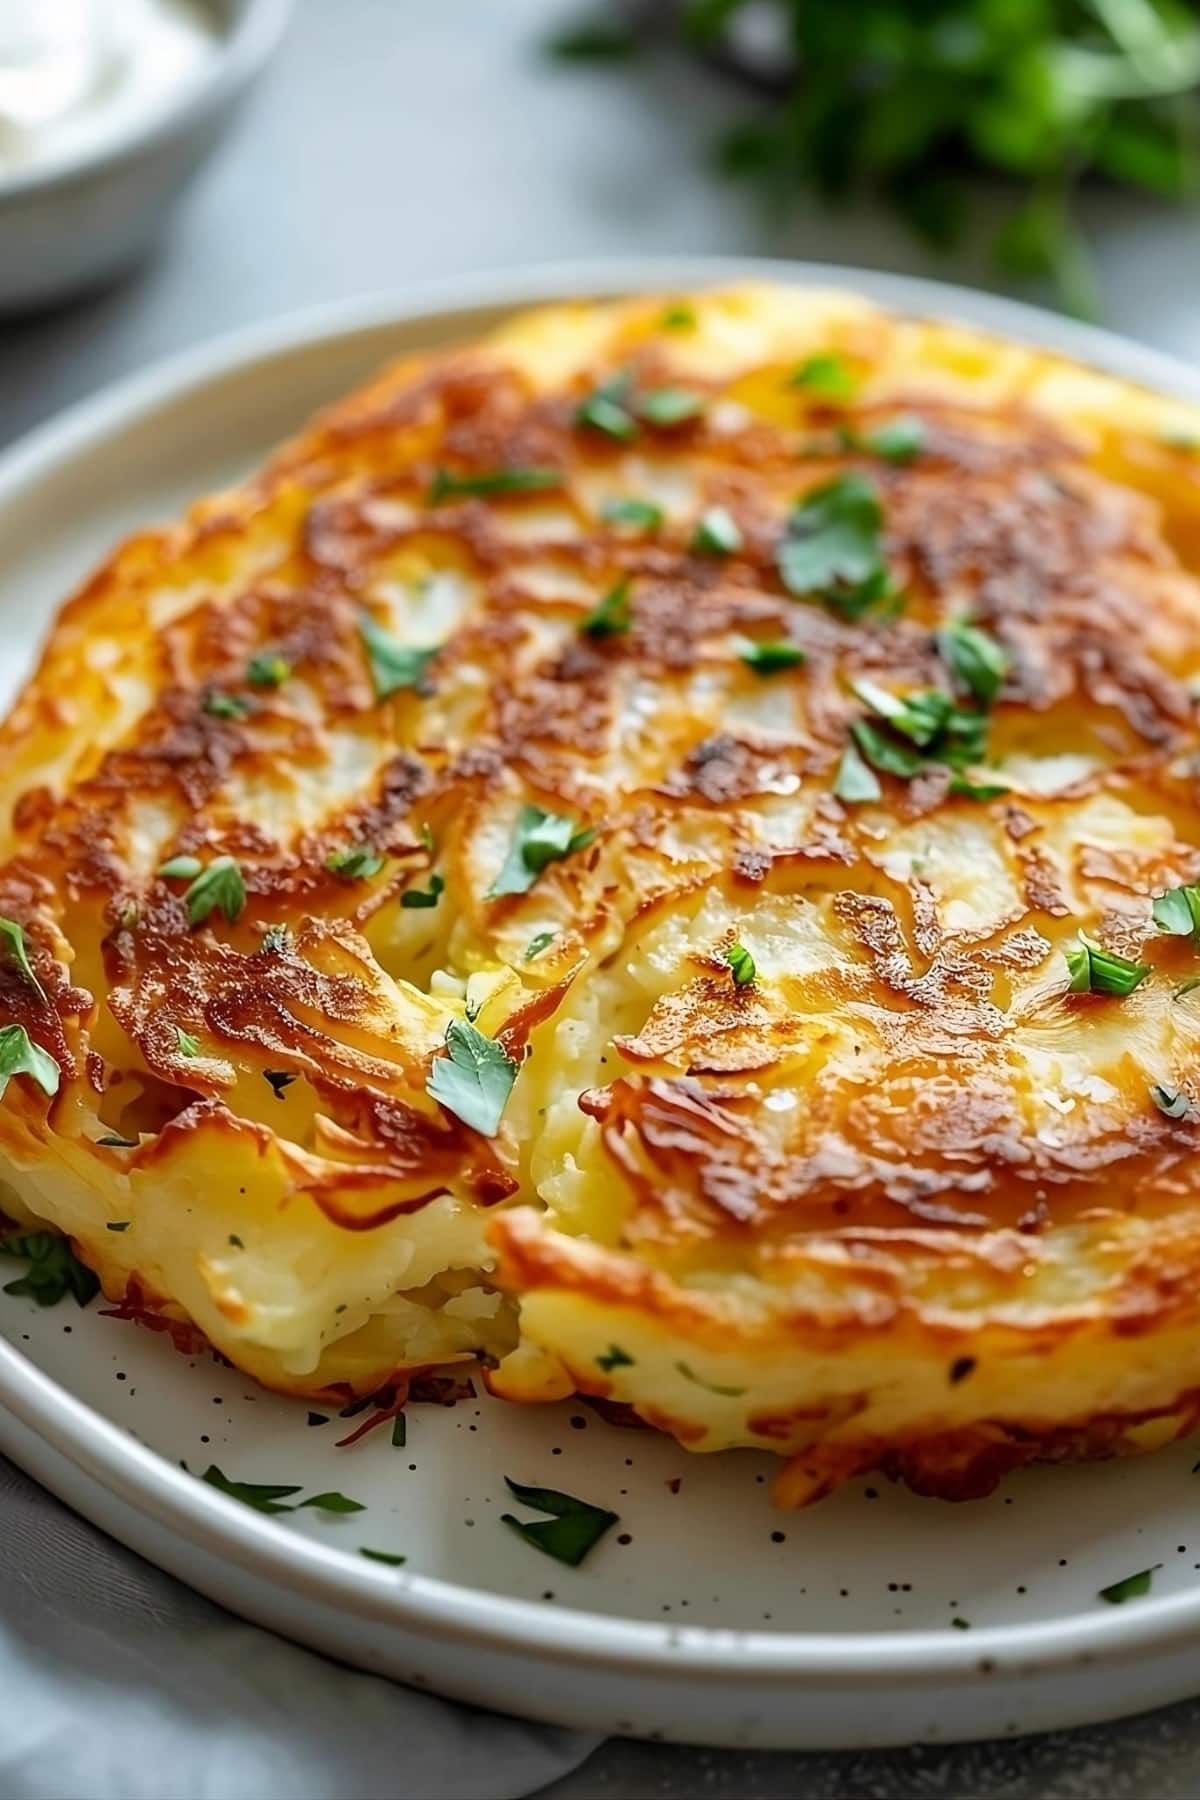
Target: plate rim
x,y
405,1599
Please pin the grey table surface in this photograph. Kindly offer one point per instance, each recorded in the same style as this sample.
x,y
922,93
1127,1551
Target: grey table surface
x,y
396,140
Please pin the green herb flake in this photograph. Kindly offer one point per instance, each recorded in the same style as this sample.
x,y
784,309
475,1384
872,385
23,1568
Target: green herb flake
x,y
399,1432
187,1044
614,1358
331,1503
606,410
382,1556
643,515
885,753
357,862
19,1055
977,790
224,706
235,1241
538,839
976,661
54,1270
961,1624
611,616
277,1080
316,1418
710,1387
219,888
669,406
118,1225
573,1529
899,441
474,1079
394,665
484,486
741,965
538,943
180,868
114,1141
1173,1102
717,533
268,670
827,376
1132,1587
931,720
263,1496
678,318
770,658
12,936
592,40
856,783
1098,971
276,941
415,898
832,548
1177,912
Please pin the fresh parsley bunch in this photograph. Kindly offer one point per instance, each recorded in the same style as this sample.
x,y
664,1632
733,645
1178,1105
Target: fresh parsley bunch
x,y
913,97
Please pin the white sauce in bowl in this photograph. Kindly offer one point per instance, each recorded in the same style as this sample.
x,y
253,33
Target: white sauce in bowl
x,y
78,75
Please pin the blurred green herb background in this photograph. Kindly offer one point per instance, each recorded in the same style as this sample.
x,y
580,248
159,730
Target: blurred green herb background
x,y
920,99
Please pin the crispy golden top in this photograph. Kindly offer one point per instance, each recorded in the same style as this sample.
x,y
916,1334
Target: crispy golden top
x,y
905,1055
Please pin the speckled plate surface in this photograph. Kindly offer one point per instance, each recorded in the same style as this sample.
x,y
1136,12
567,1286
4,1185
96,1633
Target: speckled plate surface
x,y
875,1618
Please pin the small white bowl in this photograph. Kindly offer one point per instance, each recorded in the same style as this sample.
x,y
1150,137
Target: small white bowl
x,y
80,221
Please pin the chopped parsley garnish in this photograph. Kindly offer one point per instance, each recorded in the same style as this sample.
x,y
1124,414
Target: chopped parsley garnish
x,y
188,1045
413,898
19,1055
832,548
393,665
667,406
114,1141
827,376
855,782
899,441
770,658
537,944
717,533
574,1527
235,1241
399,1431
448,486
332,1503
606,409
928,718
273,1496
640,513
316,1418
1097,971
1132,1587
710,1387
13,935
357,862
225,706
614,1358
219,888
741,964
610,617
275,940
382,1556
977,790
475,1078
539,838
974,658
119,1225
54,1270
1173,1102
277,1080
961,1624
678,318
1178,912
268,670
180,868
885,753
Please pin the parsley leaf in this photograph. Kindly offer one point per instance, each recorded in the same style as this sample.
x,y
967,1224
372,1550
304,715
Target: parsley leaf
x,y
606,409
614,1358
447,486
54,1270
114,1141
268,670
537,944
667,406
382,1556
826,375
1098,971
118,1225
930,719
224,706
331,1503
1178,912
263,1496
678,318
832,546
180,868
770,658
19,1055
188,1045
399,1431
741,965
474,1080
717,533
974,658
610,617
357,862
574,1527
1132,1587
13,935
710,1387
899,441
641,513
540,838
394,665
855,783
219,888
413,898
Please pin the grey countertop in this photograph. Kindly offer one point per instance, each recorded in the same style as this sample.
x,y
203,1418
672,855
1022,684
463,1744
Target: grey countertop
x,y
396,140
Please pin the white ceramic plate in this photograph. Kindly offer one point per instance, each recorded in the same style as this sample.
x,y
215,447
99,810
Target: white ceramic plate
x,y
703,1615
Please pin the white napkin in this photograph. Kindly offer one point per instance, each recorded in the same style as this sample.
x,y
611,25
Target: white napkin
x,y
118,1683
